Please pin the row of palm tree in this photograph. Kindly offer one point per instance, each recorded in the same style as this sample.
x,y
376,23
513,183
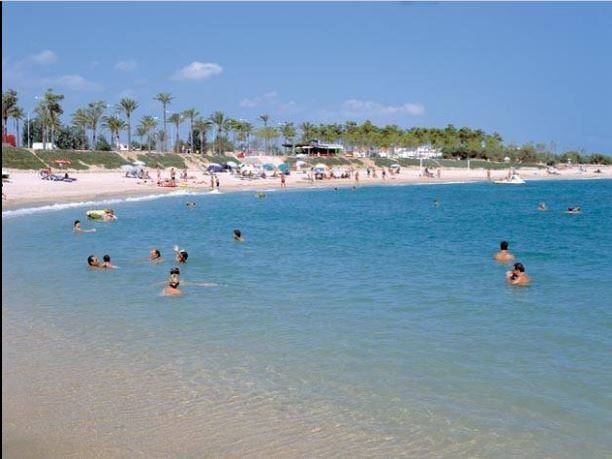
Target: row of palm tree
x,y
91,119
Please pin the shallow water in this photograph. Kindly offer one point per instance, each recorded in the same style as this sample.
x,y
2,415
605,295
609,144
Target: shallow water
x,y
362,322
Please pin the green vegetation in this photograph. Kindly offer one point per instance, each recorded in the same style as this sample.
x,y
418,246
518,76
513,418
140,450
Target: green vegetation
x,y
82,132
81,160
19,158
163,160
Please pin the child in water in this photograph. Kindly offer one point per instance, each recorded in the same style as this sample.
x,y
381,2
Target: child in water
x,y
238,235
517,276
77,228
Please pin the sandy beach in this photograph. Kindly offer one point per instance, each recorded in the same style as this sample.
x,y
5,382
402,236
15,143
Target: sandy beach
x,y
25,188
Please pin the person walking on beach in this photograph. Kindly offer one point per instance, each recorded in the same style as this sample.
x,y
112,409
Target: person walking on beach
x,y
158,174
368,172
212,182
173,175
356,176
283,180
217,182
517,276
384,173
503,256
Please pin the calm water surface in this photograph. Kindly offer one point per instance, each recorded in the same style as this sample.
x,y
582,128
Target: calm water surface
x,y
371,313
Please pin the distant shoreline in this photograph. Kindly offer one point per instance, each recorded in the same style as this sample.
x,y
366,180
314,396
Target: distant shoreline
x,y
92,188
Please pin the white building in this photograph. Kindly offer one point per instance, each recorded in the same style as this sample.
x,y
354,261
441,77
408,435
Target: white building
x,y
43,146
422,152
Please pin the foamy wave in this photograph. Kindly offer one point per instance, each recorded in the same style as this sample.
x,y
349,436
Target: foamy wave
x,y
70,205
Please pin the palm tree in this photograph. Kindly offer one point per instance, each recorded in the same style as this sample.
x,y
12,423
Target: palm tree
x,y
221,124
94,112
288,132
17,114
9,101
146,127
307,131
191,114
265,118
54,110
81,120
176,119
115,125
165,98
128,106
202,126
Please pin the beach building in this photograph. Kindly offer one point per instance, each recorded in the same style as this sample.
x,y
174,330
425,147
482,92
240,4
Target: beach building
x,y
315,148
422,152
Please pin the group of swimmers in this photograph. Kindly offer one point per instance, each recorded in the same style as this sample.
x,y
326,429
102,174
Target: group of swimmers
x,y
517,275
542,207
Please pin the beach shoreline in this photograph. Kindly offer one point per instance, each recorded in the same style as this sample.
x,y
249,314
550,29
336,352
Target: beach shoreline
x,y
25,189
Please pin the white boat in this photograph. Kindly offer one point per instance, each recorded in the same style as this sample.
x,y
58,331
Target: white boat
x,y
514,179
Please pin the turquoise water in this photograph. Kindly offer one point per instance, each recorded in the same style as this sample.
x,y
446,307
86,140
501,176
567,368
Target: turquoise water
x,y
370,308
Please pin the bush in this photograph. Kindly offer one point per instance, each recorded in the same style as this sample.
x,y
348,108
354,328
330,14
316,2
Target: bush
x,y
81,160
163,160
19,158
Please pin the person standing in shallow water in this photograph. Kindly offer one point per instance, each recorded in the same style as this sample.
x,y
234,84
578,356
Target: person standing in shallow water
x,y
503,255
217,182
283,180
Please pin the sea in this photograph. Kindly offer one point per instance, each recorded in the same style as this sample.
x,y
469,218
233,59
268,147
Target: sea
x,y
357,322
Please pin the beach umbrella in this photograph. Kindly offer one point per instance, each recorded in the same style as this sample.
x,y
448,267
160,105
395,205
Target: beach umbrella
x,y
283,167
300,164
320,166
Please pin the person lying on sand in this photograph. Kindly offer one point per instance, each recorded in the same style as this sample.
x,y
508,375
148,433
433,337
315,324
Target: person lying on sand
x,y
517,276
503,255
77,228
238,235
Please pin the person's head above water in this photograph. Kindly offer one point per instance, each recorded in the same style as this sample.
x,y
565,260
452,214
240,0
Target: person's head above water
x,y
77,223
106,258
503,245
519,267
92,260
181,256
155,254
175,270
237,233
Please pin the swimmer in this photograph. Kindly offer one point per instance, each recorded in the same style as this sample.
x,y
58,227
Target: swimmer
x,y
155,255
542,207
190,205
573,210
503,255
517,276
181,255
172,289
92,261
109,215
260,194
238,235
106,263
335,188
436,203
77,228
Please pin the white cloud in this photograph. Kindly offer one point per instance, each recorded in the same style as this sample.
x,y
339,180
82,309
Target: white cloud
x,y
258,101
357,107
126,66
72,82
197,71
43,58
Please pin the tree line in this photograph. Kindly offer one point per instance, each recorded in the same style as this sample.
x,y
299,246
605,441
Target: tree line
x,y
85,126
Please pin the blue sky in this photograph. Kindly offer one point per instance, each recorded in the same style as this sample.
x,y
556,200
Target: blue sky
x,y
532,71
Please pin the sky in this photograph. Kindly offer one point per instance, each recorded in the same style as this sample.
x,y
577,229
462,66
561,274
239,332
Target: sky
x,y
538,72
